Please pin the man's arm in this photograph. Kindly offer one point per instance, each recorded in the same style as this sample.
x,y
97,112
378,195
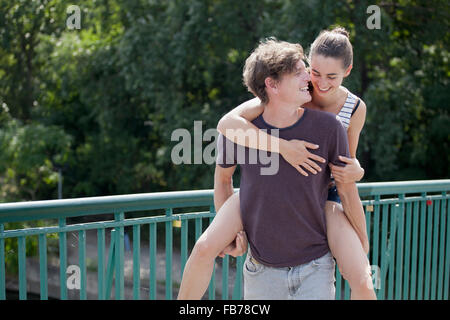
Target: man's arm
x,y
223,185
223,189
348,192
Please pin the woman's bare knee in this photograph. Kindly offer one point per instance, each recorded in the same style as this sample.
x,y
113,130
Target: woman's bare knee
x,y
204,250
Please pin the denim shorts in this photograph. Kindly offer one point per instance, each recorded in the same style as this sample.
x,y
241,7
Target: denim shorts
x,y
313,280
333,195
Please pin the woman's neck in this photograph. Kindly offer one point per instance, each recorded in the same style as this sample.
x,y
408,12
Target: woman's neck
x,y
331,102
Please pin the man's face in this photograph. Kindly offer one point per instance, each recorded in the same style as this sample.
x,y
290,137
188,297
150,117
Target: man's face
x,y
293,87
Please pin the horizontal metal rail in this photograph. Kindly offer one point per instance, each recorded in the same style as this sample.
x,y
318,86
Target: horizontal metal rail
x,y
407,222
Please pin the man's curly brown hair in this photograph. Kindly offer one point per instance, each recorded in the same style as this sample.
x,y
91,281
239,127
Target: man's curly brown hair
x,y
272,58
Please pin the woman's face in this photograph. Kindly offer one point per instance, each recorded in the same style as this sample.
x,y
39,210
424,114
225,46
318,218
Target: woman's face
x,y
327,74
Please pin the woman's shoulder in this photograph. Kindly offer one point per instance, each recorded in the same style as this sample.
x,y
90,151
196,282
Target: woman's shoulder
x,y
352,96
358,115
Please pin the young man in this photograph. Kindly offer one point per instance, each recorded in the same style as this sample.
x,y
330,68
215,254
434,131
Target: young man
x,y
283,211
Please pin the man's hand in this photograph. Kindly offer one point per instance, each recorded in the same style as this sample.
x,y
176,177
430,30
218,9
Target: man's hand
x,y
238,247
296,154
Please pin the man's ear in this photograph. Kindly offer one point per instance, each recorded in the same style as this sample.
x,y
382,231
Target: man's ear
x,y
271,84
349,69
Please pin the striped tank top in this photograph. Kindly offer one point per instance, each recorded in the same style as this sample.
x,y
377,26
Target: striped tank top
x,y
348,109
344,115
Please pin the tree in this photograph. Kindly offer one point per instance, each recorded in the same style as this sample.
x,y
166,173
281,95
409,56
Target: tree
x,y
137,70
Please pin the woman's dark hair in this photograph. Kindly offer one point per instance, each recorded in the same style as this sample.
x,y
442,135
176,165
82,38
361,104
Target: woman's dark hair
x,y
333,43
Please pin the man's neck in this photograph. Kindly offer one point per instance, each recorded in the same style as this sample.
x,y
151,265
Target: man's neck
x,y
281,115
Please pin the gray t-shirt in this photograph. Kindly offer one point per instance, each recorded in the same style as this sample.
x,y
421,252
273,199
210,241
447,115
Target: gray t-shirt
x,y
283,214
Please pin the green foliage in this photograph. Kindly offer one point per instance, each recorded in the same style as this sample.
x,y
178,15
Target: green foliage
x,y
102,102
29,156
31,244
407,130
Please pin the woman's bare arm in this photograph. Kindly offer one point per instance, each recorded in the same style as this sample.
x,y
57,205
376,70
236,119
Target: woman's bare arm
x,y
352,171
356,125
236,126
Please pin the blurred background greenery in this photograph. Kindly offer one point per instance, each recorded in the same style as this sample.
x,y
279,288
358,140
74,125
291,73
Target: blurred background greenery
x,y
100,103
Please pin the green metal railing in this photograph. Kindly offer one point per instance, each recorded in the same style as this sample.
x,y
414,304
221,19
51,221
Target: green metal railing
x,y
408,225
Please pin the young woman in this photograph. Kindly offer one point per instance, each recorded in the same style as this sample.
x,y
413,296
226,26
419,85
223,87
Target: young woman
x,y
331,58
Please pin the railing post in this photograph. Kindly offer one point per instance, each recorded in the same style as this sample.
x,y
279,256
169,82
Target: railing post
x,y
169,253
136,262
2,265
211,287
384,255
391,250
426,295
237,290
184,244
400,212
441,248
43,266
101,263
408,246
414,249
152,262
120,238
82,263
225,266
434,262
447,255
368,215
421,261
376,235
22,268
62,260
111,263
338,286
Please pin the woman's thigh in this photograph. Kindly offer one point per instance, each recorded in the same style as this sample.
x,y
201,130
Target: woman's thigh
x,y
345,245
224,227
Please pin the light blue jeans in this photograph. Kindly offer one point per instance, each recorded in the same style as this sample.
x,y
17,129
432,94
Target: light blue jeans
x,y
310,281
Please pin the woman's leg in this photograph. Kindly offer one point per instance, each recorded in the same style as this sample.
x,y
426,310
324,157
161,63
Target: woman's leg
x,y
348,252
220,233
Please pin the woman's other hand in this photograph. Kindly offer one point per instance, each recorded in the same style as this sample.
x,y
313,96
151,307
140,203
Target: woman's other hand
x,y
351,172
